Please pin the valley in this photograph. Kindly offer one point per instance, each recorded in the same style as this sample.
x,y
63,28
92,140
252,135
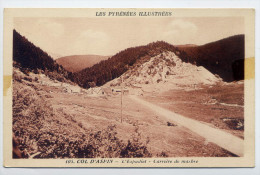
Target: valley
x,y
164,137
147,101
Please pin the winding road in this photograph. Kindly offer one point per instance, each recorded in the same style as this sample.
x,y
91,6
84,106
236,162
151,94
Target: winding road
x,y
221,138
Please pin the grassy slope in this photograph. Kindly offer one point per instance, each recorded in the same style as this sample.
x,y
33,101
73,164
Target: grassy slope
x,y
207,104
52,133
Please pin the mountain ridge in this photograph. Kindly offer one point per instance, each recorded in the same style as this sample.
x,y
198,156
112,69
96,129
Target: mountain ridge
x,y
75,63
224,57
115,66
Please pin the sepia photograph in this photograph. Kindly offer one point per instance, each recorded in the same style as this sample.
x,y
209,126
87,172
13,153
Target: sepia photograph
x,y
130,87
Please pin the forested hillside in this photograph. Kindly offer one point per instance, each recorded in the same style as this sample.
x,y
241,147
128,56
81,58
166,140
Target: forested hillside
x,y
224,57
28,57
118,64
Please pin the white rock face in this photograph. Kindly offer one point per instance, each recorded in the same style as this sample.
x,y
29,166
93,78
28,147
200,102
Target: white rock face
x,y
166,71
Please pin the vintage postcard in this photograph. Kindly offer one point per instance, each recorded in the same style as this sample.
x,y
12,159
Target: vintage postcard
x,y
129,87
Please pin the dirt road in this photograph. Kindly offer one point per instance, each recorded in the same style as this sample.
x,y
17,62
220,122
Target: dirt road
x,y
217,136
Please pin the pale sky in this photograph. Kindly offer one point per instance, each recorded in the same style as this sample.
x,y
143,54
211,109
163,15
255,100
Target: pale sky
x,y
107,36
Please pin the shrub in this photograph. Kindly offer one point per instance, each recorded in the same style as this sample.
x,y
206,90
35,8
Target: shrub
x,y
42,132
136,147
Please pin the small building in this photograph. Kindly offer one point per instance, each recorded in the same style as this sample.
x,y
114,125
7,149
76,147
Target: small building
x,y
117,91
106,90
73,89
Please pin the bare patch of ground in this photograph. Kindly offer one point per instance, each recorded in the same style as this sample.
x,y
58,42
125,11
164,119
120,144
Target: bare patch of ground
x,y
163,139
220,105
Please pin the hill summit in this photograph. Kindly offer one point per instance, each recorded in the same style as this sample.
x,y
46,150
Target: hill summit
x,y
115,66
163,72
